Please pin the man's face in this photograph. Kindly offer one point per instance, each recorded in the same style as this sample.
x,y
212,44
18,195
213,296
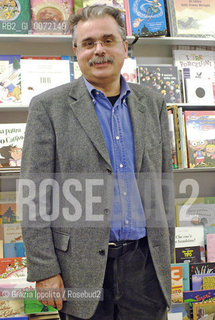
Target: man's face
x,y
100,29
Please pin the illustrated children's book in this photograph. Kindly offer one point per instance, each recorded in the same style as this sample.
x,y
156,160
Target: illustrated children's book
x,y
210,247
176,284
200,128
204,310
11,143
197,280
8,213
145,18
162,79
51,16
14,16
10,79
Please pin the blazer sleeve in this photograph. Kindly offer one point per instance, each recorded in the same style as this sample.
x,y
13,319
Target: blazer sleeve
x,y
38,163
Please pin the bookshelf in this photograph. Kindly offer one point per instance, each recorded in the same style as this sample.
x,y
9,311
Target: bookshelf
x,y
146,50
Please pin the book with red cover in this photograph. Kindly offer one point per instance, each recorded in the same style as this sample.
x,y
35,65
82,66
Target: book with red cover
x,y
200,130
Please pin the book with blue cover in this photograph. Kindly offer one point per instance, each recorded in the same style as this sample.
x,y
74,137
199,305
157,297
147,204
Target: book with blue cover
x,y
145,18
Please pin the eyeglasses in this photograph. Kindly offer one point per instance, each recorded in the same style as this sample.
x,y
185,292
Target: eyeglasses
x,y
90,44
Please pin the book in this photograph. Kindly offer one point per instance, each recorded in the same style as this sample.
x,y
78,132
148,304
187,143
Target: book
x,y
174,109
210,247
11,143
199,296
32,305
129,70
195,211
8,196
197,59
10,79
11,307
172,139
201,268
199,91
12,233
182,133
179,310
113,3
12,250
191,18
200,128
8,213
209,282
163,79
15,17
204,311
176,284
13,268
188,254
145,18
185,274
189,237
41,75
197,280
51,16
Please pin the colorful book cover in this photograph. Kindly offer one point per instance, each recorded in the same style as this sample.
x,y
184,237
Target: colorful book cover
x,y
210,247
15,16
51,16
10,79
191,18
209,282
190,237
13,268
163,79
12,233
197,280
32,305
204,311
8,213
199,296
182,133
185,273
201,268
41,75
145,18
188,254
195,59
11,144
200,128
11,307
176,284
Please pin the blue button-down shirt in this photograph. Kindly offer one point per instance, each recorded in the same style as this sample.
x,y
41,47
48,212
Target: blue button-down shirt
x,y
128,219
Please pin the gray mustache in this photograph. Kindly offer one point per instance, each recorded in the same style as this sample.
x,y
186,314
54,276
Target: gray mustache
x,y
95,60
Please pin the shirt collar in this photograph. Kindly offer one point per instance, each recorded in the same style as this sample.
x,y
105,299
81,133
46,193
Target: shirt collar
x,y
124,89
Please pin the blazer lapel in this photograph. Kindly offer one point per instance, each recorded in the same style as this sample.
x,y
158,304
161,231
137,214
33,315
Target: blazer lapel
x,y
139,122
84,111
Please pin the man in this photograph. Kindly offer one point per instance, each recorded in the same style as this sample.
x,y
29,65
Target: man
x,y
99,124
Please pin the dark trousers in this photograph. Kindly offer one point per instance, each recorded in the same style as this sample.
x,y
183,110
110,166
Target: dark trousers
x,y
131,289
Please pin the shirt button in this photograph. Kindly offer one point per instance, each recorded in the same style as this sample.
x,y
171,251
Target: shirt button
x,y
125,193
117,137
126,221
124,101
97,92
121,165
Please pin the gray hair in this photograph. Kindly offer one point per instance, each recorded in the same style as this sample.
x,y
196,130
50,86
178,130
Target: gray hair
x,y
97,11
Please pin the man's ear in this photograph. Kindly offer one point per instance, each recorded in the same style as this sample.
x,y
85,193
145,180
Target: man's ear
x,y
126,48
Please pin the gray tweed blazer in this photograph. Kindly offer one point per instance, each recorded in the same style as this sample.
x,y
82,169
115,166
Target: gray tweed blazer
x,y
64,141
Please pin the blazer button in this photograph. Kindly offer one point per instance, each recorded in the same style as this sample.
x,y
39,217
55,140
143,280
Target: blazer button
x,y
109,171
102,252
106,211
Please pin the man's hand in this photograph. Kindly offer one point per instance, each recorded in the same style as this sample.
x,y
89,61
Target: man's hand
x,y
51,291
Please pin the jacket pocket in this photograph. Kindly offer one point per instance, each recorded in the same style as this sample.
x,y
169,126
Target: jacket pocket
x,y
61,240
